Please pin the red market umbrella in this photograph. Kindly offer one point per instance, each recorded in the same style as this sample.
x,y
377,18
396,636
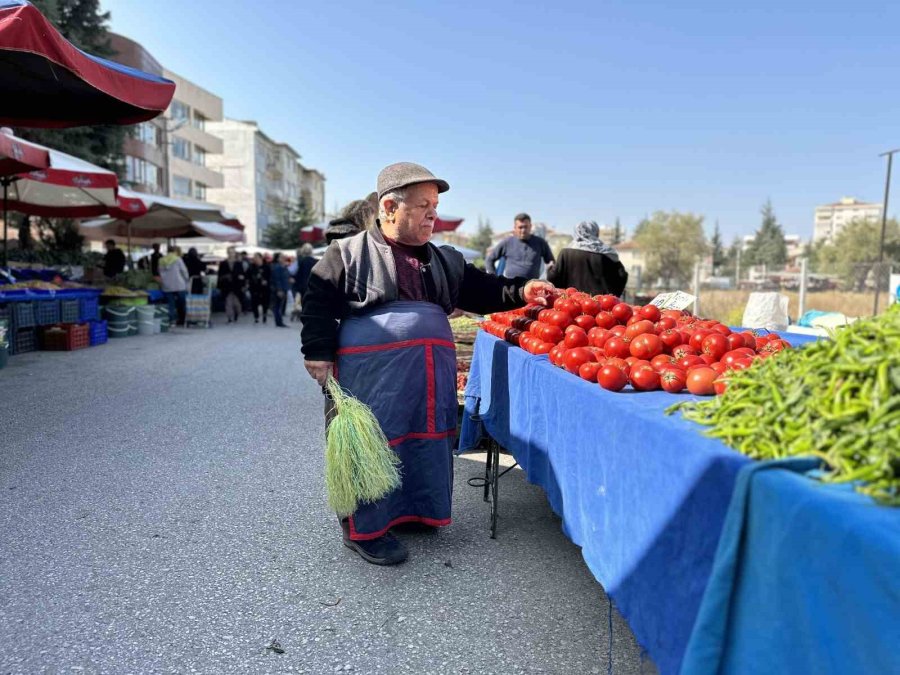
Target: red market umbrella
x,y
47,82
19,157
99,230
447,223
312,234
68,188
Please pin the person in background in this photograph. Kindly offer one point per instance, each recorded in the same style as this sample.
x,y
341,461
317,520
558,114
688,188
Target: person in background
x,y
357,216
588,264
114,260
281,286
196,270
155,257
231,284
260,295
523,252
245,291
173,275
305,263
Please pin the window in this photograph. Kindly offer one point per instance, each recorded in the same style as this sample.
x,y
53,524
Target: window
x,y
149,133
141,172
180,111
181,148
199,121
181,186
199,156
199,191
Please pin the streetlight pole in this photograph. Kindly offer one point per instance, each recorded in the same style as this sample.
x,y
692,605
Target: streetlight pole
x,y
887,190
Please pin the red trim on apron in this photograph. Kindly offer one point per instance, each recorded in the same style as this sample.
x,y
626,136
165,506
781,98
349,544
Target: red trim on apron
x,y
356,536
436,436
396,345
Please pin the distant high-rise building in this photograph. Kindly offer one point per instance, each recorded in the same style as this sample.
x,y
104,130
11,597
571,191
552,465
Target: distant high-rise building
x,y
262,178
831,218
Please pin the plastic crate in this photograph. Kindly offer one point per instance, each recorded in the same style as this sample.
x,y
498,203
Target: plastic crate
x,y
69,311
90,308
46,312
65,337
23,341
22,314
98,333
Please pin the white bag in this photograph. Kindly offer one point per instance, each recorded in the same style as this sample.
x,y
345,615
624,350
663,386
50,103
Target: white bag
x,y
766,310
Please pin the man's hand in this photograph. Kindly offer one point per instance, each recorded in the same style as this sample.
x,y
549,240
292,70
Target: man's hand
x,y
539,292
319,370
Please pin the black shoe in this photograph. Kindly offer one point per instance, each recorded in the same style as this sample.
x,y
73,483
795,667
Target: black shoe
x,y
255,320
386,550
281,325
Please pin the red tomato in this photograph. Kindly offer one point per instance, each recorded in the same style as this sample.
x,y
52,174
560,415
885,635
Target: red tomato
x,y
638,328
697,338
700,381
568,306
621,364
644,378
573,358
542,347
556,355
612,378
742,364
670,339
576,337
735,340
550,333
774,346
605,320
718,367
585,321
680,351
590,306
650,312
635,363
715,345
666,323
708,360
749,340
557,318
720,385
690,361
617,347
661,361
672,380
607,302
597,336
622,312
721,329
588,371
673,314
618,330
646,346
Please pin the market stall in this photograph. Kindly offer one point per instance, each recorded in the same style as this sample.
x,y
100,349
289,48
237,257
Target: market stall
x,y
645,495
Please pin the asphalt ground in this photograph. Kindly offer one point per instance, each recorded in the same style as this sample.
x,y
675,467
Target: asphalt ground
x,y
162,509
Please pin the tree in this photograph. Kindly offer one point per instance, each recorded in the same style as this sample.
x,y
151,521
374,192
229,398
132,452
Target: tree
x,y
618,233
855,249
483,237
671,243
83,24
284,233
26,242
768,246
718,251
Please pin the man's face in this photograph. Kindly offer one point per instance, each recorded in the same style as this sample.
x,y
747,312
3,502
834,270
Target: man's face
x,y
522,229
415,216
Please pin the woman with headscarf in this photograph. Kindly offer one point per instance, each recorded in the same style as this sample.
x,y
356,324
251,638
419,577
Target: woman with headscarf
x,y
588,264
196,269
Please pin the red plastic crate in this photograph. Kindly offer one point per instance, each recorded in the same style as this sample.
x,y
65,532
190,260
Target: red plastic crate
x,y
65,337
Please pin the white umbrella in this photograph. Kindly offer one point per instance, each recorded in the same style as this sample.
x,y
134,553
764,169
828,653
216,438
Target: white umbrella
x,y
110,228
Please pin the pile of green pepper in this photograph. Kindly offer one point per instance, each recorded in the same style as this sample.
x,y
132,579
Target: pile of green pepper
x,y
837,399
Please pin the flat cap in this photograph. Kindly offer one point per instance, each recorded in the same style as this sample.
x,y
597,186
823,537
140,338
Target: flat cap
x,y
401,174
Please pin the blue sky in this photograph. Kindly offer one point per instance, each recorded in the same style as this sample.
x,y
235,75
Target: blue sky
x,y
567,110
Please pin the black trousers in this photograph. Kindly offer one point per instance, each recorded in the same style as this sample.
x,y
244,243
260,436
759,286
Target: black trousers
x,y
257,300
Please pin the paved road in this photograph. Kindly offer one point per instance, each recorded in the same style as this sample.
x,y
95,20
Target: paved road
x,y
162,510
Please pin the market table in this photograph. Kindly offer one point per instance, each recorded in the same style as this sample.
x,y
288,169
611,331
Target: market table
x,y
644,495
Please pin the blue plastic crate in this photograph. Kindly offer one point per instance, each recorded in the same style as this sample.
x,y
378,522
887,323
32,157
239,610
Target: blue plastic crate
x,y
69,311
89,308
46,312
22,314
99,333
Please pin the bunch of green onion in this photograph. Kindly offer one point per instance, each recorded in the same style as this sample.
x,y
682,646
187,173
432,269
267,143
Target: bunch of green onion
x,y
360,466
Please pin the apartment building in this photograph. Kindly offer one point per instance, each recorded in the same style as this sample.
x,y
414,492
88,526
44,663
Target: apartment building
x,y
832,218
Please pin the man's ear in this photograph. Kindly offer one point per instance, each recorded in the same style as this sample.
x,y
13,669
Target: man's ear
x,y
390,206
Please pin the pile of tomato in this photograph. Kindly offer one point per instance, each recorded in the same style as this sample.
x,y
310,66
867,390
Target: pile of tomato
x,y
602,339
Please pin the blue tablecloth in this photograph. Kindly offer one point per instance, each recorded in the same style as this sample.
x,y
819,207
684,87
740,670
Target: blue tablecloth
x,y
806,580
643,494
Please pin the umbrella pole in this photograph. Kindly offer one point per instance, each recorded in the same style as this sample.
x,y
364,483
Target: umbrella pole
x,y
5,221
130,258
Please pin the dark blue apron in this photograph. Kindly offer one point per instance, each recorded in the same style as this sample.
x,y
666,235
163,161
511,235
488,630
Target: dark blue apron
x,y
400,360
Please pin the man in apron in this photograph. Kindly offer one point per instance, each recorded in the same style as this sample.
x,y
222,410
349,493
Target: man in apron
x,y
375,315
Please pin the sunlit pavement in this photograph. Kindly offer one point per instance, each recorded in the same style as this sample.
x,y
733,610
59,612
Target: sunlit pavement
x,y
162,509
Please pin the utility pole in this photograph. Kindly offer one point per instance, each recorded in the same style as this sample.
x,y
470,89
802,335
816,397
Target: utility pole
x,y
887,190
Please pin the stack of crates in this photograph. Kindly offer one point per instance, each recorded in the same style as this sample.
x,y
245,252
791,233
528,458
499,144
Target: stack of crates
x,y
65,337
46,312
98,333
21,327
